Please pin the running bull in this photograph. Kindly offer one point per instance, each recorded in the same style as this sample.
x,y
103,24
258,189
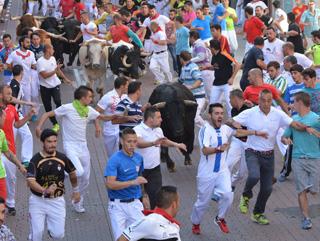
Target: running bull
x,y
178,109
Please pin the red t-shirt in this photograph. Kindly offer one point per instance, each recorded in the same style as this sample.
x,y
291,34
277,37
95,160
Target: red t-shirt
x,y
119,33
11,117
251,93
253,28
67,7
78,7
298,11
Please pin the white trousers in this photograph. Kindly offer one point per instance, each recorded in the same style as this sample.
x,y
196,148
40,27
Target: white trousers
x,y
217,91
123,214
53,6
159,66
111,143
26,141
220,184
248,47
198,120
232,39
11,178
148,45
208,78
79,155
46,209
30,88
235,154
33,7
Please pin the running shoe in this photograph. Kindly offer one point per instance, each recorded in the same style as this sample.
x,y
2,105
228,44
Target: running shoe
x,y
215,197
56,128
282,178
196,229
244,204
260,218
11,211
222,224
78,207
306,223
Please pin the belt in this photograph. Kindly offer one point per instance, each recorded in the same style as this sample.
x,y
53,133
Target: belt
x,y
160,52
130,200
263,153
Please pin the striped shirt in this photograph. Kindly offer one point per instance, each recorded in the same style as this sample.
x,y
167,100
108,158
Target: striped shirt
x,y
190,73
291,91
127,107
280,83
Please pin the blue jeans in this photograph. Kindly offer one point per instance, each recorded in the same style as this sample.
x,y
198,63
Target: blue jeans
x,y
172,51
260,167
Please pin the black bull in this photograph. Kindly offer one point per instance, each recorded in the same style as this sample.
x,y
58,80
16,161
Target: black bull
x,y
70,28
178,109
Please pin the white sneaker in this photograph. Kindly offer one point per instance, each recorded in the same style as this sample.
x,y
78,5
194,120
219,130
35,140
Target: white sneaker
x,y
78,207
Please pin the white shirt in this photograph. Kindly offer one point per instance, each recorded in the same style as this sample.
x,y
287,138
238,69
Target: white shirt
x,y
256,4
197,4
255,119
303,60
154,226
74,127
161,20
25,59
283,23
287,75
160,35
109,104
272,51
208,137
48,65
91,26
151,155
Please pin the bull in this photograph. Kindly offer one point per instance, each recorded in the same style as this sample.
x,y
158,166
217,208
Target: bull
x,y
178,109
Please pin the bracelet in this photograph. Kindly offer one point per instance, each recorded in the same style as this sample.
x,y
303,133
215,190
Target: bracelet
x,y
75,189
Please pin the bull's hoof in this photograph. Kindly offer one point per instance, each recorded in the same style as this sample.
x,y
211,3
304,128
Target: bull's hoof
x,y
188,162
172,169
69,64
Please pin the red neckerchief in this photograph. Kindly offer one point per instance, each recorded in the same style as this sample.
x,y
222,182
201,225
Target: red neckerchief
x,y
163,213
154,17
158,30
22,55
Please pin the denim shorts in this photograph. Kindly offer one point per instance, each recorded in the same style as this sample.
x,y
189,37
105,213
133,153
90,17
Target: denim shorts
x,y
306,174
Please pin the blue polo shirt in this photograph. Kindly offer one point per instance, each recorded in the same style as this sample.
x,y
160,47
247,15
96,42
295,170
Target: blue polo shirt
x,y
220,10
125,168
205,24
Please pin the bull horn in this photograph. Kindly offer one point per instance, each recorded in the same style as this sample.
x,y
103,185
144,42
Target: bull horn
x,y
145,54
39,17
159,105
124,62
190,102
15,18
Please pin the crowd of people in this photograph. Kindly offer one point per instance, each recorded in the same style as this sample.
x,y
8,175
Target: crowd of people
x,y
277,103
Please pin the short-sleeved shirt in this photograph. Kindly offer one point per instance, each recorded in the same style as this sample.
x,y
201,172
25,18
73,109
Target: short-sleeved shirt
x,y
254,119
130,108
272,51
4,148
252,93
205,24
160,19
223,69
303,60
304,144
296,40
74,127
210,137
16,91
189,16
315,50
182,40
267,20
307,17
229,20
315,97
48,65
253,28
119,33
151,155
257,4
284,22
125,168
91,26
153,227
159,35
109,104
4,54
279,82
291,91
48,170
66,7
11,117
219,12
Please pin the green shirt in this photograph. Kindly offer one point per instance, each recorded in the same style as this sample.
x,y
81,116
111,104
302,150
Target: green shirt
x,y
229,20
315,50
280,83
304,144
4,147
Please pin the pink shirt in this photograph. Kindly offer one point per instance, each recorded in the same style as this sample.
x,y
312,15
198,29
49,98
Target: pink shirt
x,y
188,17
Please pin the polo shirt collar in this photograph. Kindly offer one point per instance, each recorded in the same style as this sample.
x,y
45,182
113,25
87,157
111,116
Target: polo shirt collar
x,y
163,213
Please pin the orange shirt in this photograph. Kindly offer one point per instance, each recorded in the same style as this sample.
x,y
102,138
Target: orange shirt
x,y
119,33
11,117
251,93
298,11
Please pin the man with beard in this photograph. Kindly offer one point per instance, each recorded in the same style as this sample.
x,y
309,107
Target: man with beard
x,y
213,172
266,19
46,181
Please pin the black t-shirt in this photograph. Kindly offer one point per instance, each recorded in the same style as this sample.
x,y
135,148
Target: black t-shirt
x,y
235,112
250,62
267,20
48,170
222,68
38,52
296,40
16,90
